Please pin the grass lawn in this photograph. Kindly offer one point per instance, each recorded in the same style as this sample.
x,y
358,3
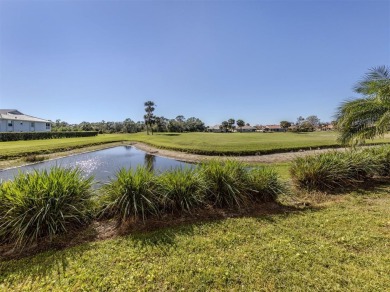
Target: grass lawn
x,y
342,245
201,143
242,143
13,149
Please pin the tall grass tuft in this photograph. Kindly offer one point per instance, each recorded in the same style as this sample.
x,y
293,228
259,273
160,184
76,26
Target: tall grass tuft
x,y
132,194
227,183
265,185
333,170
43,204
181,190
382,154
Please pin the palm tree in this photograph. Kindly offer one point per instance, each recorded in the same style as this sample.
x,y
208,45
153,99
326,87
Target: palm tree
x,y
231,122
241,124
225,126
367,117
149,108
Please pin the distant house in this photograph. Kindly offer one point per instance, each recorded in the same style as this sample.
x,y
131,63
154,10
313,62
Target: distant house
x,y
326,127
259,128
12,120
247,129
274,128
215,129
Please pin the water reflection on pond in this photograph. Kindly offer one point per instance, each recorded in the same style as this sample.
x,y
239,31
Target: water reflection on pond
x,y
103,164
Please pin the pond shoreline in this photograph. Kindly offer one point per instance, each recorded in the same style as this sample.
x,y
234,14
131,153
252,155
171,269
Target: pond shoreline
x,y
177,155
265,158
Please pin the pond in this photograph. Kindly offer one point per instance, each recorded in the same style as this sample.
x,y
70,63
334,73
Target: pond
x,y
102,164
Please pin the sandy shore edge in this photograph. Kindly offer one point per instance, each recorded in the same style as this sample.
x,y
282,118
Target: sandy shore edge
x,y
178,155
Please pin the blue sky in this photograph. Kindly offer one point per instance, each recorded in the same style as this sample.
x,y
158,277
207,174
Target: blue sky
x,y
260,61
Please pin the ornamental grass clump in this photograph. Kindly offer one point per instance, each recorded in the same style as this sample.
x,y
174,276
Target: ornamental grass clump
x,y
43,204
131,195
382,154
227,183
181,190
333,170
264,184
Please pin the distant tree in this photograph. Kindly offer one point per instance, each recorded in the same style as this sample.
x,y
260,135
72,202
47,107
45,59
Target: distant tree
x,y
161,124
180,123
225,126
149,117
128,126
314,121
300,120
285,125
231,123
194,125
240,123
180,118
85,126
305,126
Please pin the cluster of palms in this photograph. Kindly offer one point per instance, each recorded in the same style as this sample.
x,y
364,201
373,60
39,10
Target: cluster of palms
x,y
230,124
369,116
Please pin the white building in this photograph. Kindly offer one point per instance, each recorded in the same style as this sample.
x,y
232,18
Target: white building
x,y
12,120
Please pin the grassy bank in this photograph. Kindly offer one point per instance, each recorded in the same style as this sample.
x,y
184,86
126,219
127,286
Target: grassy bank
x,y
201,143
341,244
242,143
16,149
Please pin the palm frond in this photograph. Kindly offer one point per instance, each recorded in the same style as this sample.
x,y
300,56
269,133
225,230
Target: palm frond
x,y
368,117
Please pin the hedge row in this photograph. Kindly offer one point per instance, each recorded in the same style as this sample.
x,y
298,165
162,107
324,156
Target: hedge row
x,y
44,204
44,135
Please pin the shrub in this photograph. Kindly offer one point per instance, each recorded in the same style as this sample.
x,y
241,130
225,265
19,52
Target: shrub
x,y
46,203
132,194
227,182
333,170
34,158
264,184
382,154
181,190
11,136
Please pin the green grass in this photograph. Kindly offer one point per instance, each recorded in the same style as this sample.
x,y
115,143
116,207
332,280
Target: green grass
x,y
200,143
242,143
14,149
341,247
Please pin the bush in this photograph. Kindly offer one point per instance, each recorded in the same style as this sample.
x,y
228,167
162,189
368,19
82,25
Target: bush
x,y
382,154
227,182
132,194
264,184
34,158
41,204
333,170
44,135
181,190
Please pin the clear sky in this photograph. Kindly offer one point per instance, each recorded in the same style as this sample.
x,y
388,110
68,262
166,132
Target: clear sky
x,y
261,61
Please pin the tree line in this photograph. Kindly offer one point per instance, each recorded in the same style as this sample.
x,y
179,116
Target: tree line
x,y
151,123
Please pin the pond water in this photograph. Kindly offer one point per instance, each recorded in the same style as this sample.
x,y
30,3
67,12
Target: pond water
x,y
102,164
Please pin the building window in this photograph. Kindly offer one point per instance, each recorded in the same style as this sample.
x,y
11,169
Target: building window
x,y
32,125
9,123
47,126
